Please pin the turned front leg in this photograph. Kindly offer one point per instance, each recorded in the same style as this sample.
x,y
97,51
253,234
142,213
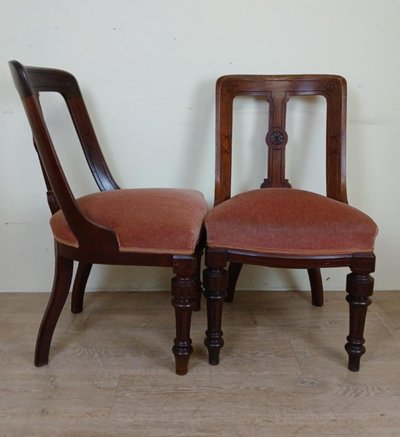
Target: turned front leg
x,y
215,282
360,288
184,300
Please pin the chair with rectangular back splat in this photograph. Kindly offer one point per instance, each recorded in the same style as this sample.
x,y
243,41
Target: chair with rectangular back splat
x,y
279,226
144,227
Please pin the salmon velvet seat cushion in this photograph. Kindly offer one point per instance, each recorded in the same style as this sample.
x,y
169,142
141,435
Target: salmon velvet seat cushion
x,y
151,220
289,221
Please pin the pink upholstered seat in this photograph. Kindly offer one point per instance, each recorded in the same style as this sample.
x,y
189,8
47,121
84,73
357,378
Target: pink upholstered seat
x,y
152,220
281,220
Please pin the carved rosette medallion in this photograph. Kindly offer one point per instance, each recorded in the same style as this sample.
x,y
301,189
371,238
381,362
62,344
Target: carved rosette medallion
x,y
276,138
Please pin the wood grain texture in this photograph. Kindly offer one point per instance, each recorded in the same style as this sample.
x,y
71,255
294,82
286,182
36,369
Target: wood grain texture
x,y
285,375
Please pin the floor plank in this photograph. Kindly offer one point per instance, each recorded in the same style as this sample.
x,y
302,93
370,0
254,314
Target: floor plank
x,y
282,371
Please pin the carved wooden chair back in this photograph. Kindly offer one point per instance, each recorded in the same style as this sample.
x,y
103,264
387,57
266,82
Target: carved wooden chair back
x,y
158,227
277,90
30,82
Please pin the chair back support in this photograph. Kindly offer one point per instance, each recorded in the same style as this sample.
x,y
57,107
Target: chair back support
x,y
277,90
30,82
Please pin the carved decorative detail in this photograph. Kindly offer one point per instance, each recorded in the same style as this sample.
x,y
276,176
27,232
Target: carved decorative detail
x,y
334,145
360,285
183,292
230,87
333,150
284,184
217,281
266,184
52,201
331,86
277,138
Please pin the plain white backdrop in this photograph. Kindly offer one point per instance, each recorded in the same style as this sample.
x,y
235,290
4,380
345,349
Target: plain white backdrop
x,y
147,69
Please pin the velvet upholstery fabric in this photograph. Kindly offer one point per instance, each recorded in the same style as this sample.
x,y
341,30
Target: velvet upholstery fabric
x,y
289,221
153,220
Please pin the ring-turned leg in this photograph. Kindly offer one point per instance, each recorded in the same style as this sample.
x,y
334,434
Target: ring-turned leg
x,y
317,290
78,290
215,284
359,287
61,284
184,299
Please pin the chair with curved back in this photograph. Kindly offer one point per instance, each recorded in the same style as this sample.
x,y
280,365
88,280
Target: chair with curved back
x,y
144,227
279,226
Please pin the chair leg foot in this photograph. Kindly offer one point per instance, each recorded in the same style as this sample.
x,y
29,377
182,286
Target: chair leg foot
x,y
39,363
78,290
215,290
61,284
181,363
213,354
359,288
184,300
354,362
317,291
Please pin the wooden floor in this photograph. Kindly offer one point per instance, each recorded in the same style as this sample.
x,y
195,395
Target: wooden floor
x,y
282,372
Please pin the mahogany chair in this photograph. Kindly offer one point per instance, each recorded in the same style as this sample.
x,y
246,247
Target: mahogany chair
x,y
144,227
279,226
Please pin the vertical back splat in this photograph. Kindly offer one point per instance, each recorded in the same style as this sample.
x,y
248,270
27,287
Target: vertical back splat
x,y
276,140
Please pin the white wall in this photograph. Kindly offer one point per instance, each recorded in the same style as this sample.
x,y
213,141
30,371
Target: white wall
x,y
147,69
